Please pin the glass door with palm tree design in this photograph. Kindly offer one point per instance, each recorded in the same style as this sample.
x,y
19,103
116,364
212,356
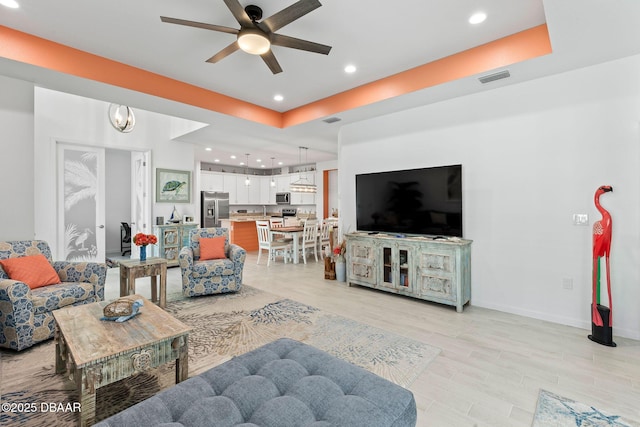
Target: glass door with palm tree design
x,y
81,189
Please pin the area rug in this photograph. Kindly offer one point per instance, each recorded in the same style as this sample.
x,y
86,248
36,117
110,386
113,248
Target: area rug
x,y
557,411
223,326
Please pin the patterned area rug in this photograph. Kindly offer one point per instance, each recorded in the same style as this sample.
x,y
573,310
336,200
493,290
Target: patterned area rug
x,y
223,326
557,411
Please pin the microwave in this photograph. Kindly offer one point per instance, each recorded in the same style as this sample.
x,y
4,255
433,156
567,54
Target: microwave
x,y
283,198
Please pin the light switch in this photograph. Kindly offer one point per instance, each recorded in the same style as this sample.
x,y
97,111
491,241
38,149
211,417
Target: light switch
x,y
580,219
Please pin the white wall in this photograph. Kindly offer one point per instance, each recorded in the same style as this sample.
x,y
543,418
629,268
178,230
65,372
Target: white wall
x,y
61,117
533,154
16,159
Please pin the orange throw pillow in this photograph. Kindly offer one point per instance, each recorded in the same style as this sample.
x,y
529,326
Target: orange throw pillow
x,y
34,270
212,248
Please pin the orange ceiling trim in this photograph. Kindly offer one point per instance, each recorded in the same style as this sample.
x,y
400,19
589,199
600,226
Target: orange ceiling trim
x,y
23,47
26,48
518,47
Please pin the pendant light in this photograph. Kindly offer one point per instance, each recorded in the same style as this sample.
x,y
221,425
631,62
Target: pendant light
x,y
303,185
273,181
247,181
121,118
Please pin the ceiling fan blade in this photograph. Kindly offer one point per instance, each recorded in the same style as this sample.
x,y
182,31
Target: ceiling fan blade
x,y
238,12
292,42
290,14
224,52
199,25
271,61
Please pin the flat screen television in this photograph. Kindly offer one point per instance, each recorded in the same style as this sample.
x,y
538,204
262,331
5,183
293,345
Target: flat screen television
x,y
425,201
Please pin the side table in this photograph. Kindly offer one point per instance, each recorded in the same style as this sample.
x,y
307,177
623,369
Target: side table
x,y
130,270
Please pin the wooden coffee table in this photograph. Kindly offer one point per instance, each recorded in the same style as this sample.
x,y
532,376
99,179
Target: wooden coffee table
x,y
95,352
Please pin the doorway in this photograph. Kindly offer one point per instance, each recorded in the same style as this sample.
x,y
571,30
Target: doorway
x,y
98,190
127,210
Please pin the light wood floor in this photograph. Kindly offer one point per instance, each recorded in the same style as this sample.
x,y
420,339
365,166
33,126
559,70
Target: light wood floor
x,y
492,364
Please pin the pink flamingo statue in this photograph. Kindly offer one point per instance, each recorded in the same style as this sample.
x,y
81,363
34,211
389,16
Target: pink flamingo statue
x,y
601,248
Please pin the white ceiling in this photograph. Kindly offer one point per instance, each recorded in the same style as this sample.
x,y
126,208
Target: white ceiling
x,y
380,37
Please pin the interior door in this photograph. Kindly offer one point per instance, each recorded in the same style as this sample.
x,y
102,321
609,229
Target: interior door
x,y
81,196
140,199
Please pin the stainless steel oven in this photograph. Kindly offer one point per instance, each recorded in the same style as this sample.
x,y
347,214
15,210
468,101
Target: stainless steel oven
x,y
283,198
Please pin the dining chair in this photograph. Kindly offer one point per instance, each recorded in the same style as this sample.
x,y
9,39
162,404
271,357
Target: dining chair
x,y
324,238
309,239
276,223
266,242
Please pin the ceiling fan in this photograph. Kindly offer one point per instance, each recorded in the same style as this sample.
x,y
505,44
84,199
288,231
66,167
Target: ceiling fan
x,y
257,37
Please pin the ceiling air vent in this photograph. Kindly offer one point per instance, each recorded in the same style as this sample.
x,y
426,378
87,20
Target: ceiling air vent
x,y
332,120
495,76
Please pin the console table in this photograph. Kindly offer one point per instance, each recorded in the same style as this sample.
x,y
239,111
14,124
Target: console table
x,y
432,269
171,238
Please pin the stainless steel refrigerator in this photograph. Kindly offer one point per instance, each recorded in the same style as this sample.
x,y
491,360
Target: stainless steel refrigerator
x,y
214,207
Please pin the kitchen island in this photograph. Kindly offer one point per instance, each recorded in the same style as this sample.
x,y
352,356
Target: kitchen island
x,y
243,231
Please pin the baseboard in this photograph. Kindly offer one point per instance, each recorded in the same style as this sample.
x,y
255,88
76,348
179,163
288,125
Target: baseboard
x,y
562,320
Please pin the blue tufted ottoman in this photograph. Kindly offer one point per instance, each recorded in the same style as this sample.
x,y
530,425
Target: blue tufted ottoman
x,y
282,384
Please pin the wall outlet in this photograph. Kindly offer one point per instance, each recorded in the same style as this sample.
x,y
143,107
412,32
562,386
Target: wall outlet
x,y
580,219
567,283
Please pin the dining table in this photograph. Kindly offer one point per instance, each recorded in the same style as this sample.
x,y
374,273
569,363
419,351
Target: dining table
x,y
294,231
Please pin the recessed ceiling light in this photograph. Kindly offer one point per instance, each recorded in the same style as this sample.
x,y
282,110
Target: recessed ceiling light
x,y
278,97
217,160
233,157
258,160
208,149
350,69
262,166
280,163
477,18
10,3
241,163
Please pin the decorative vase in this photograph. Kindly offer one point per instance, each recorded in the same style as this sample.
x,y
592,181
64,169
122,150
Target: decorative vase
x,y
143,253
341,269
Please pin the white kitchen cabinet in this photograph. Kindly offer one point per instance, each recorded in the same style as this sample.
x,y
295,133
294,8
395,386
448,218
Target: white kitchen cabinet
x,y
260,192
242,190
230,187
267,193
211,181
282,183
253,190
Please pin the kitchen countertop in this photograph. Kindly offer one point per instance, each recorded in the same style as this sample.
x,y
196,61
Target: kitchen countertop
x,y
249,218
245,218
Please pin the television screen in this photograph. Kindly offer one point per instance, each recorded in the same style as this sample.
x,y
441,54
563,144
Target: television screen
x,y
424,201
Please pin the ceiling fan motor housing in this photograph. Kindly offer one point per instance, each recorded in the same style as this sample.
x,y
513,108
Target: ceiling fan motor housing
x,y
254,12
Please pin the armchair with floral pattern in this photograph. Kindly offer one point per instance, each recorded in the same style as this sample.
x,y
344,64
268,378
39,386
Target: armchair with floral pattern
x,y
25,313
213,276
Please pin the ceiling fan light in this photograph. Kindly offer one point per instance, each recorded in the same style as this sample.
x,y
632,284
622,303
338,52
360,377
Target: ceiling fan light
x,y
253,42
